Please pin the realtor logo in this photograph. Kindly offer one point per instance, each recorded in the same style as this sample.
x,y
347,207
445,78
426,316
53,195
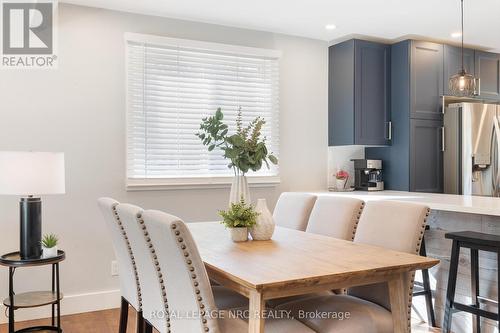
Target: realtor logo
x,y
28,32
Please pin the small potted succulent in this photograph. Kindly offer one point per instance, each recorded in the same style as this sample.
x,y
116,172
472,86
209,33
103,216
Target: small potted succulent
x,y
239,218
49,246
341,178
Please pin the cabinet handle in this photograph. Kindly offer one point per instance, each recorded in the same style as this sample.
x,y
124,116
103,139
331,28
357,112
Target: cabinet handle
x,y
389,131
443,147
479,86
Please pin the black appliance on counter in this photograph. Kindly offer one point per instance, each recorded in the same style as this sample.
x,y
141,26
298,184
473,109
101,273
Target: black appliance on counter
x,y
368,175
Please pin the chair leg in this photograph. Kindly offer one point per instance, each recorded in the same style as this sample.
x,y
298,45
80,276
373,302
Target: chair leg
x,y
498,284
140,323
428,298
149,327
427,288
452,282
474,279
123,316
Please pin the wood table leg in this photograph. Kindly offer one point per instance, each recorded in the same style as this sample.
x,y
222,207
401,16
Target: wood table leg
x,y
256,307
399,305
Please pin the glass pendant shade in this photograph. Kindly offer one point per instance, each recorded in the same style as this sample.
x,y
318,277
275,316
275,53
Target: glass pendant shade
x,y
463,84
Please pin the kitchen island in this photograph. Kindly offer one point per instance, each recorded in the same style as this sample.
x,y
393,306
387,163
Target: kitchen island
x,y
451,213
436,201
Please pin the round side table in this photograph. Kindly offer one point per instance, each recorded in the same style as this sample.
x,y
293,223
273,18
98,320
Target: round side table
x,y
36,298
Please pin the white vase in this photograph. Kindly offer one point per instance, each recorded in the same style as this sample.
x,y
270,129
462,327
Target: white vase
x,y
49,252
264,228
239,189
239,234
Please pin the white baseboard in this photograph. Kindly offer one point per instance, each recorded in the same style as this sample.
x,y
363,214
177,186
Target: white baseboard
x,y
71,304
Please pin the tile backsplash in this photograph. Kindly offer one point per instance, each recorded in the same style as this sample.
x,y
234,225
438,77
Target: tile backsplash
x,y
339,157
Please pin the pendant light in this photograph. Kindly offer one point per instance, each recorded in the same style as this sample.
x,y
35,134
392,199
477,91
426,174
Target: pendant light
x,y
463,84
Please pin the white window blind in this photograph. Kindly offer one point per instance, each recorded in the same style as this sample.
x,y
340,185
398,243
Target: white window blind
x,y
172,84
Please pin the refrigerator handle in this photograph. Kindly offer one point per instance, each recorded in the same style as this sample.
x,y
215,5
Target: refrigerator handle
x,y
443,147
495,156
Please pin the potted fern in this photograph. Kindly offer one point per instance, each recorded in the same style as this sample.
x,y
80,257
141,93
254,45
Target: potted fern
x,y
238,219
245,149
49,246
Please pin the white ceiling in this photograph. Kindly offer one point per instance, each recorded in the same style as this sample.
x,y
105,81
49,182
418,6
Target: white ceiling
x,y
384,19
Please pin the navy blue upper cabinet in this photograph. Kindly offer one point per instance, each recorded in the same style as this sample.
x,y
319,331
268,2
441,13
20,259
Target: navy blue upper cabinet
x,y
414,161
453,63
359,93
426,80
487,68
341,94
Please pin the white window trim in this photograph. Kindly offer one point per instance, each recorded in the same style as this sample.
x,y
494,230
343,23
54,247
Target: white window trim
x,y
176,183
226,48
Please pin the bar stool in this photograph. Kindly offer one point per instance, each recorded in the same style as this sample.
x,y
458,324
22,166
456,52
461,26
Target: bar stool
x,y
475,241
425,286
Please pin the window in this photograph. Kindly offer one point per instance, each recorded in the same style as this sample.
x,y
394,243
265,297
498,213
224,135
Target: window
x,y
171,85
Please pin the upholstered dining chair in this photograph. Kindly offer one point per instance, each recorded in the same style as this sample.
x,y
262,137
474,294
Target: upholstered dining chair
x,y
390,224
331,216
187,286
127,271
335,216
293,209
152,277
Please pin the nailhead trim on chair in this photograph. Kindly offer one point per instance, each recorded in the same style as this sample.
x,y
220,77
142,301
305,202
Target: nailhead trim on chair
x,y
412,279
189,264
159,274
131,255
358,217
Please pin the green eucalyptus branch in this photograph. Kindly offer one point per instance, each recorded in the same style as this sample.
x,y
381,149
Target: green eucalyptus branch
x,y
245,149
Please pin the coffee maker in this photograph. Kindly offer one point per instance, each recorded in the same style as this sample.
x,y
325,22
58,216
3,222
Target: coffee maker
x,y
368,175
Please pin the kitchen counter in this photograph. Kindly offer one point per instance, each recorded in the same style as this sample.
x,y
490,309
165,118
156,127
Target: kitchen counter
x,y
442,202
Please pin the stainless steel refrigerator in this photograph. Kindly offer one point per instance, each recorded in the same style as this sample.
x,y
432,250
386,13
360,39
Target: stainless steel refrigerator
x,y
472,149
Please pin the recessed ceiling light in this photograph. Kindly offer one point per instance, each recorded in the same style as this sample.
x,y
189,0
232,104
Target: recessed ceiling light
x,y
330,27
457,34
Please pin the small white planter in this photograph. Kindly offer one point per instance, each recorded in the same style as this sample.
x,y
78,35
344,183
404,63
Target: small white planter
x,y
264,228
49,252
239,234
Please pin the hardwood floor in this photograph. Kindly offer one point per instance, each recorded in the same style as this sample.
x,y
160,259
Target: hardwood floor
x,y
91,322
107,322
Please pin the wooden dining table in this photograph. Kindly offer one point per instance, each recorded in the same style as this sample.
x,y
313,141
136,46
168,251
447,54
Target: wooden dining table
x,y
296,262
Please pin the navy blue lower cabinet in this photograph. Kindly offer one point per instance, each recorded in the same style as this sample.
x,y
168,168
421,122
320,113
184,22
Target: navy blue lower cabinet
x,y
426,155
359,93
414,162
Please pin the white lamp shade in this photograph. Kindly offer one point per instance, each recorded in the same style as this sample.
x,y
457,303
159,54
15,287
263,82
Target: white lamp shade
x,y
31,173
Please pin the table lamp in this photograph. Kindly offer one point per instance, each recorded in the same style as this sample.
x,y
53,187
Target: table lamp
x,y
31,174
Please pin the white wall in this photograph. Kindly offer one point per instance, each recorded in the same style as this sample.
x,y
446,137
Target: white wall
x,y
339,157
79,109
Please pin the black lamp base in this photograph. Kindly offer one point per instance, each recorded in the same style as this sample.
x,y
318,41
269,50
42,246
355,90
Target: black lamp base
x,y
31,228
